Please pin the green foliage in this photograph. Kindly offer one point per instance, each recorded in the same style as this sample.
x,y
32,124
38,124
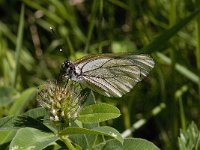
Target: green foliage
x,y
190,138
104,130
32,133
129,144
98,113
167,100
36,139
161,42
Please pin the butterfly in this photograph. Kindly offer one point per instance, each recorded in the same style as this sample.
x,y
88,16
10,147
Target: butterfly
x,y
112,75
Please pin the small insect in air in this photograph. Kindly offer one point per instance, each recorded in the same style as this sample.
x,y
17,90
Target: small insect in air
x,y
112,75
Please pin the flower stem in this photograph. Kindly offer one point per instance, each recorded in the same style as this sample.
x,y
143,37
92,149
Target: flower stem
x,y
68,143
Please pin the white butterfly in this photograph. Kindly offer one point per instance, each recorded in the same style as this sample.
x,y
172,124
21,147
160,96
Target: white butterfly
x,y
112,75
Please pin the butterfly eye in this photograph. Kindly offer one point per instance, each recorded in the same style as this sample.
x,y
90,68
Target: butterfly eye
x,y
67,63
64,67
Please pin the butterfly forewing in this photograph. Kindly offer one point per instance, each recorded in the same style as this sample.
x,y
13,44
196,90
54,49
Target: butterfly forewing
x,y
113,75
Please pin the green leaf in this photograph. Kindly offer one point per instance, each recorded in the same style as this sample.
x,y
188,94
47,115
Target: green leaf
x,y
30,138
110,132
7,129
86,141
91,138
21,103
10,123
7,123
6,136
138,144
90,98
98,113
26,121
161,41
110,144
190,139
129,144
104,130
79,140
36,113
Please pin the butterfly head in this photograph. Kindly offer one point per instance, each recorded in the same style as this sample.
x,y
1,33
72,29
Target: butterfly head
x,y
67,69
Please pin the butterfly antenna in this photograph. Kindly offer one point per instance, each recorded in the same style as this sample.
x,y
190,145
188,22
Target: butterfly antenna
x,y
56,37
52,30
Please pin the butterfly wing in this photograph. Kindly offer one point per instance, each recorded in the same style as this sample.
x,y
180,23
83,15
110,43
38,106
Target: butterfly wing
x,y
113,75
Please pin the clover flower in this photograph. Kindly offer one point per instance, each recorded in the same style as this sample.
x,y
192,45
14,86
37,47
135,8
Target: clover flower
x,y
63,102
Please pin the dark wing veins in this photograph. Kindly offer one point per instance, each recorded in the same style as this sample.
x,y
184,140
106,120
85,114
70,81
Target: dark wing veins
x,y
98,67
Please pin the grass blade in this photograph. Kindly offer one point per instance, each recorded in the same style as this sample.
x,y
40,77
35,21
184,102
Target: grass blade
x,y
181,69
197,26
19,44
160,43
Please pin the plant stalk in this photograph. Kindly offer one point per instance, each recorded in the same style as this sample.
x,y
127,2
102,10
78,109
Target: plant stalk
x,y
68,143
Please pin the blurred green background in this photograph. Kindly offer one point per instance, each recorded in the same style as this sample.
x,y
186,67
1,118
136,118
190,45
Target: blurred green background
x,y
169,30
